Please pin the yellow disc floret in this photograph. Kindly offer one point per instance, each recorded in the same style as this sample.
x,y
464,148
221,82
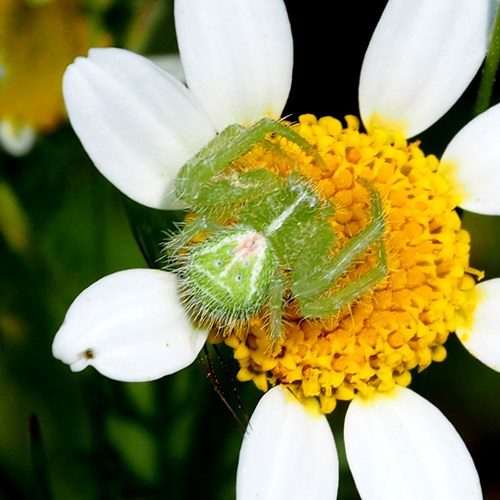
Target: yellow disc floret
x,y
37,42
400,324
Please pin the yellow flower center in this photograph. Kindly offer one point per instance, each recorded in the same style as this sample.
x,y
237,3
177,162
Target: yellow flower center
x,y
37,42
403,322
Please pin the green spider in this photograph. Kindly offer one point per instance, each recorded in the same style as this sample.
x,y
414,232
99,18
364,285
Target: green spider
x,y
280,246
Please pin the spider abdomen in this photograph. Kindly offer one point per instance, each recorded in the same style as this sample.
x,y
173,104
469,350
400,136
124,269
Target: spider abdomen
x,y
228,275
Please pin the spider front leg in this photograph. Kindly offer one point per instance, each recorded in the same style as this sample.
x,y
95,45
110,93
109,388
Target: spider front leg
x,y
230,144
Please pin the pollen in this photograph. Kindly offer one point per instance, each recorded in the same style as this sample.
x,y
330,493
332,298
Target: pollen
x,y
399,326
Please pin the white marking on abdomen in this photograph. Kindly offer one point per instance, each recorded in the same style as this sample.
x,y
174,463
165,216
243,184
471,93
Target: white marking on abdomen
x,y
251,244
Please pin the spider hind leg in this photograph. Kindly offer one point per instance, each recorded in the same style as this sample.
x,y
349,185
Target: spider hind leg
x,y
308,289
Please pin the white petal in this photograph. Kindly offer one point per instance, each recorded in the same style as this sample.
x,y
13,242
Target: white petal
x,y
473,158
237,56
482,338
130,326
399,446
421,58
138,124
288,452
16,140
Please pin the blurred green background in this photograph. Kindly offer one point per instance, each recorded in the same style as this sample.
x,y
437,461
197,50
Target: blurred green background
x,y
62,227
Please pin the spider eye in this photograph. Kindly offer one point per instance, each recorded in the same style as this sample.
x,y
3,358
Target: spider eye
x,y
238,277
218,263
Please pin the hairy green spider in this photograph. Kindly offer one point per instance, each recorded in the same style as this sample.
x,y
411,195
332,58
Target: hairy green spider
x,y
280,245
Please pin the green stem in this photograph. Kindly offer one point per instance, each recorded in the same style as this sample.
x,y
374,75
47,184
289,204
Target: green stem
x,y
41,486
490,68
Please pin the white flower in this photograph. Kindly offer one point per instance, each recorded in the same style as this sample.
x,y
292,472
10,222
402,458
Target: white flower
x,y
139,125
17,141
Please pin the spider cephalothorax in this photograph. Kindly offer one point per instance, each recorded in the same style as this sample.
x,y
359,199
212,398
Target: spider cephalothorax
x,y
280,243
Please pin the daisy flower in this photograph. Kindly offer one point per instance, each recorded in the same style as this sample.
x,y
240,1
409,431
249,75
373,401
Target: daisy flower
x,y
140,125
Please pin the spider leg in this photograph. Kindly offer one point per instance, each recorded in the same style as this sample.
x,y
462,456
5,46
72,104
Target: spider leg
x,y
241,187
331,304
313,257
231,143
276,291
286,132
180,239
306,146
309,285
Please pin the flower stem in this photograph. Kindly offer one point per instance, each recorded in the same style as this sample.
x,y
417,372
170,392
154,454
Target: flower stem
x,y
41,486
490,68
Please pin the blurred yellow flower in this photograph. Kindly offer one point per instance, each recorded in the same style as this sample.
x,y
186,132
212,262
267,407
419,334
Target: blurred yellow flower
x,y
37,41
